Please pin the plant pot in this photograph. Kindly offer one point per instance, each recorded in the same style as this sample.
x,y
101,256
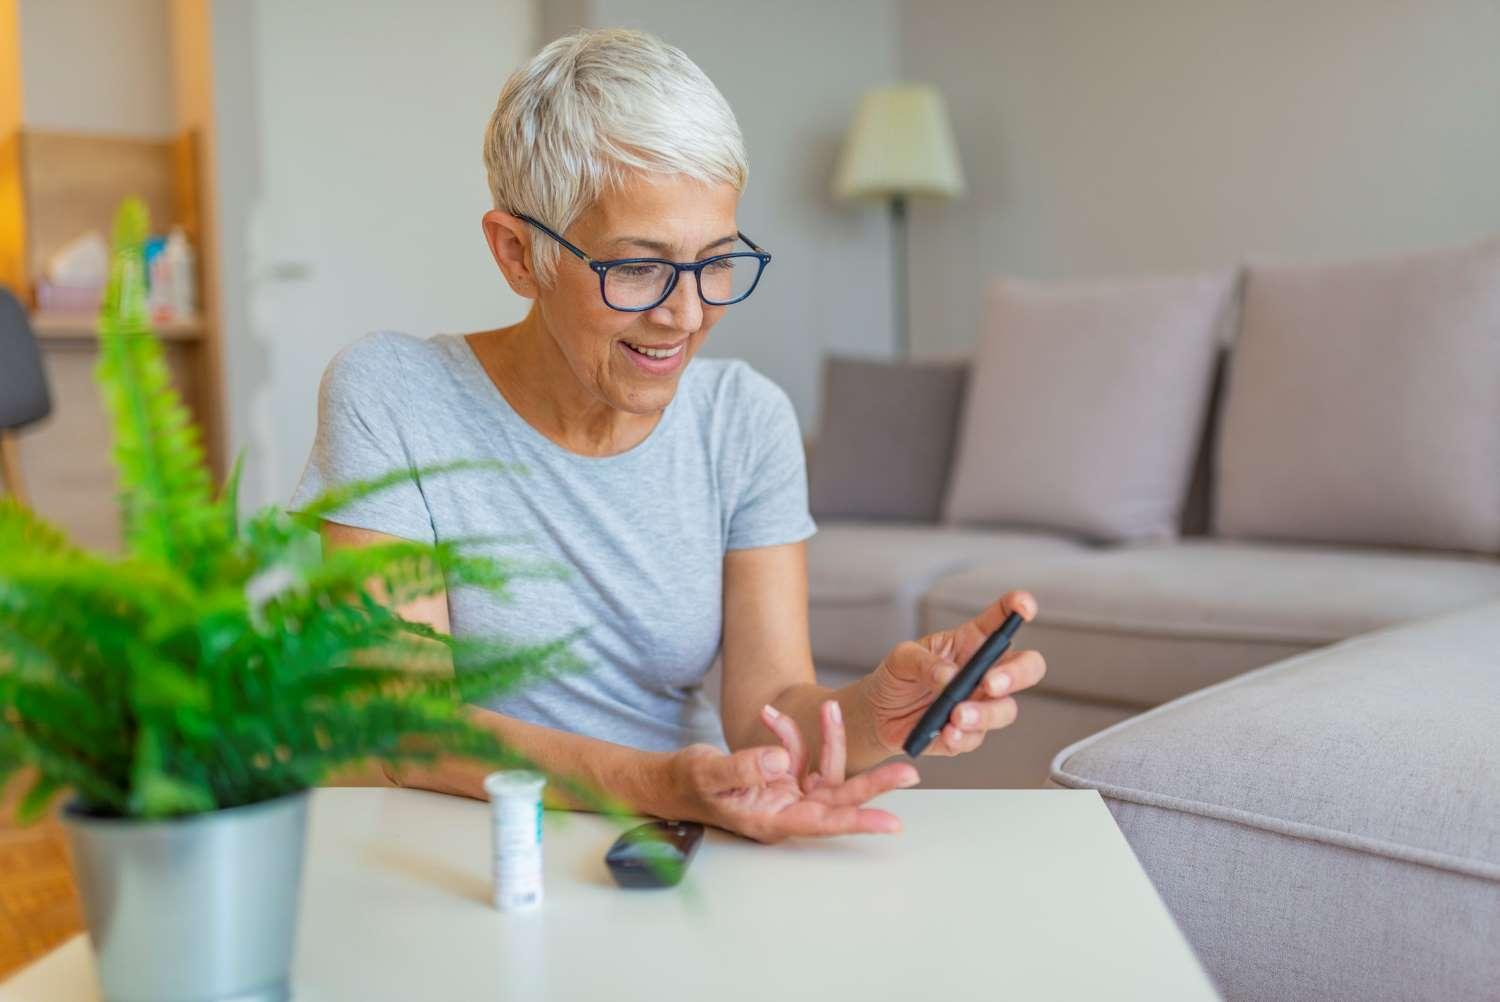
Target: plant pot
x,y
195,909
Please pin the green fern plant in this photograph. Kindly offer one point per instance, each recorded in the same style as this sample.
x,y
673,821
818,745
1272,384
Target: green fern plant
x,y
218,663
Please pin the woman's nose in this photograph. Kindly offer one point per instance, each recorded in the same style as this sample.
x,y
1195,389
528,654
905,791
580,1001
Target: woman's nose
x,y
684,307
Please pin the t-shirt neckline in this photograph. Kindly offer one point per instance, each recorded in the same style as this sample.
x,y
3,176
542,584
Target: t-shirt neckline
x,y
485,387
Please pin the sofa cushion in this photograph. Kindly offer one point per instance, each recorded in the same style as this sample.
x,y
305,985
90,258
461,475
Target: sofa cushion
x,y
885,439
1327,827
1363,404
865,580
1086,405
1145,624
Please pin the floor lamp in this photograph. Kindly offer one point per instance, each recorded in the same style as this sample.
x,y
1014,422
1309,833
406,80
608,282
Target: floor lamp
x,y
900,145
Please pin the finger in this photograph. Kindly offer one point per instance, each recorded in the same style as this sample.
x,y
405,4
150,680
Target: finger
x,y
939,673
957,741
960,643
1016,671
869,785
835,744
998,611
984,714
810,818
752,767
862,821
790,735
916,662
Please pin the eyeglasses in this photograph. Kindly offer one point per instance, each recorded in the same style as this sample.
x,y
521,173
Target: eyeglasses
x,y
637,284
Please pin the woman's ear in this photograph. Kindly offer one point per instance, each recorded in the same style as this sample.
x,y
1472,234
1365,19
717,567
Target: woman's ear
x,y
509,238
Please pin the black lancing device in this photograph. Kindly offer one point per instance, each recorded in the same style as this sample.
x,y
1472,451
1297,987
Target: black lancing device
x,y
961,686
655,854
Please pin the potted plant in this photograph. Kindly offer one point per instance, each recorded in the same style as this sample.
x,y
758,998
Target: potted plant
x,y
192,690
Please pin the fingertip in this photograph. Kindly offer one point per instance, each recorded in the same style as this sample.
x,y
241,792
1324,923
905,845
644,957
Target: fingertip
x,y
770,712
943,672
876,822
774,761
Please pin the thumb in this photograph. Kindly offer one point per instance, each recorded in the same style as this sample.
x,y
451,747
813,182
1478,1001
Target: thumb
x,y
749,768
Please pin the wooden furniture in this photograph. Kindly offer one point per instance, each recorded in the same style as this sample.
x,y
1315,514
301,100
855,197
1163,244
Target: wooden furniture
x,y
12,481
55,186
987,893
10,467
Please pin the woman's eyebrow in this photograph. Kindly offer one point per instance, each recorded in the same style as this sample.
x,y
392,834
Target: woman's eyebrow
x,y
663,249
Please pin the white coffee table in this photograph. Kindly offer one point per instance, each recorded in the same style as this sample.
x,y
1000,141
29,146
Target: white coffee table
x,y
988,894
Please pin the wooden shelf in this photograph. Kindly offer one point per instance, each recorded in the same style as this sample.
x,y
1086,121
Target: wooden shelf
x,y
51,325
53,186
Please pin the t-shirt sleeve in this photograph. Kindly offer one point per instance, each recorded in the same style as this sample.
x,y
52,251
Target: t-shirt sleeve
x,y
771,504
361,435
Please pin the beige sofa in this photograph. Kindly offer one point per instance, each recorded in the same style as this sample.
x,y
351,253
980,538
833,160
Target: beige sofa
x,y
1123,628
1413,341
1327,827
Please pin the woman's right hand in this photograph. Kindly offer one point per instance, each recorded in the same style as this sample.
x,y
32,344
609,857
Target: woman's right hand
x,y
756,792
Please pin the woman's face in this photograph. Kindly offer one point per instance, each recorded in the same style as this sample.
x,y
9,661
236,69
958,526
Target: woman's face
x,y
665,216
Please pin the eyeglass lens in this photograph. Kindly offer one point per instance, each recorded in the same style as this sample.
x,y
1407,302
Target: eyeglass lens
x,y
639,284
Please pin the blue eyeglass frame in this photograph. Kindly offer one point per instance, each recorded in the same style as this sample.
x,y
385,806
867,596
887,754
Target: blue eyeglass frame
x,y
600,267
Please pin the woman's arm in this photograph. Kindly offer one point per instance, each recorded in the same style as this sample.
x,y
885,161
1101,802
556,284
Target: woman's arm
x,y
767,656
768,660
641,780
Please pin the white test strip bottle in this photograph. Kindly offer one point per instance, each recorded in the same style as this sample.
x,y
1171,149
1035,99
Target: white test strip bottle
x,y
516,837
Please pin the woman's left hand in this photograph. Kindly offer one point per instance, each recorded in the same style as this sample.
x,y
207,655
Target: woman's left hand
x,y
912,675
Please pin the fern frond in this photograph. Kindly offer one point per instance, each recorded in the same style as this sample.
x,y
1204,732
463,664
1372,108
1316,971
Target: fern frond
x,y
413,570
164,486
331,500
23,531
229,499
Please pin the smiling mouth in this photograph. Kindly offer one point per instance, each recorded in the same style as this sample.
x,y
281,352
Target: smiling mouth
x,y
650,352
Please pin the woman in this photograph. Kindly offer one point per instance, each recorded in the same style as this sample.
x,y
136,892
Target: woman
x,y
673,489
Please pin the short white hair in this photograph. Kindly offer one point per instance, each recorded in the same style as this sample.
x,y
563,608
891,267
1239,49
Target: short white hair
x,y
590,109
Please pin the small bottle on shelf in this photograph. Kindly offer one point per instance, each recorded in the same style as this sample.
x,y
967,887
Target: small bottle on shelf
x,y
178,260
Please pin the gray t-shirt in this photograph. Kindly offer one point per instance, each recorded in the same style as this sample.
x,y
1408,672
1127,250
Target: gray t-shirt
x,y
643,532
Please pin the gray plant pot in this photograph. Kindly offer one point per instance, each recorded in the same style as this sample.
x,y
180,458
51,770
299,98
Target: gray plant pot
x,y
192,909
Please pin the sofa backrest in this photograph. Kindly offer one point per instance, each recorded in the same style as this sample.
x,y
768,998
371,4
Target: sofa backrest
x,y
1400,351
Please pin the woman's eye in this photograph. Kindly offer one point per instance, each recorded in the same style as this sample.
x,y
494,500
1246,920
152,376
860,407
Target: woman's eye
x,y
726,264
636,270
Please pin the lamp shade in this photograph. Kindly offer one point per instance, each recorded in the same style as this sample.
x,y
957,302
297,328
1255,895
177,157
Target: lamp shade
x,y
901,143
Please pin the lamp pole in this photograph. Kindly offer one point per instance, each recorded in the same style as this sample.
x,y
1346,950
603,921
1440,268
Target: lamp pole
x,y
898,291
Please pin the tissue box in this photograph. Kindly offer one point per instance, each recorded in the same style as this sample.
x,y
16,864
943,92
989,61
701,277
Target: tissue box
x,y
55,298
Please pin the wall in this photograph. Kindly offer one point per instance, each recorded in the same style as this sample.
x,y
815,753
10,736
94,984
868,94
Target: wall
x,y
351,186
1171,135
1098,139
91,66
793,72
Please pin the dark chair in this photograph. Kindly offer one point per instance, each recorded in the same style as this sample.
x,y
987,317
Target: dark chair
x,y
24,398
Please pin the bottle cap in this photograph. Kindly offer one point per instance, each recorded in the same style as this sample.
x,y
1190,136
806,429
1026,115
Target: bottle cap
x,y
514,783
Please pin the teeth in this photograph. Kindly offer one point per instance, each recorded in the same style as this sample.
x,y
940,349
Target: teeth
x,y
656,352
